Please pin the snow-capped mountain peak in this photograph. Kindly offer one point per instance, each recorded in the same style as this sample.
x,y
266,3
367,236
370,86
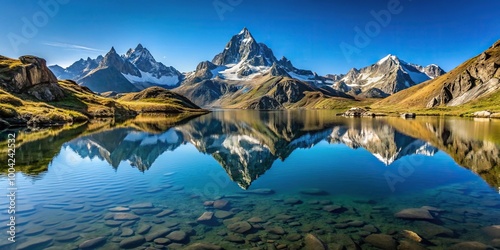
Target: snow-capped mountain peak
x,y
388,57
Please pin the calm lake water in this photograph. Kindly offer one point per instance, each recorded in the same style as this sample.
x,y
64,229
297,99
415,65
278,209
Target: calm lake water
x,y
262,180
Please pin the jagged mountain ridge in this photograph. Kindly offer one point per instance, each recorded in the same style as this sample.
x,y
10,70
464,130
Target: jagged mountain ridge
x,y
472,81
134,71
388,76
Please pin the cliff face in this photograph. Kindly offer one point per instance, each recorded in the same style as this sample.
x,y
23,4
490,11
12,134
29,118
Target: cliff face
x,y
479,77
29,75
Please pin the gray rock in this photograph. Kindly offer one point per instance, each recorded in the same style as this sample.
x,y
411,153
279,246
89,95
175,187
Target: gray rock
x,y
127,232
143,229
162,241
142,205
294,237
471,245
177,236
125,216
410,245
143,211
220,214
165,213
119,209
255,220
292,201
334,208
240,227
276,230
35,242
206,217
492,231
382,241
235,239
93,243
314,243
220,204
157,233
430,230
132,242
414,214
203,246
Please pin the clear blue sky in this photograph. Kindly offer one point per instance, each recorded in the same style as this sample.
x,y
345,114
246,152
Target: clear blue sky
x,y
182,33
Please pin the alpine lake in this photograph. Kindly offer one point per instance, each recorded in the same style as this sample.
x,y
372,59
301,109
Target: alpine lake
x,y
235,179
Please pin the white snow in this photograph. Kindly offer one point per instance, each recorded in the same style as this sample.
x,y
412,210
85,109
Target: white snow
x,y
150,78
230,72
386,58
369,79
151,140
305,78
170,136
417,77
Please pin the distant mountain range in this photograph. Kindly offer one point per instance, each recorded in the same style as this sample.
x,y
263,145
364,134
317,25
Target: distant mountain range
x,y
241,68
134,71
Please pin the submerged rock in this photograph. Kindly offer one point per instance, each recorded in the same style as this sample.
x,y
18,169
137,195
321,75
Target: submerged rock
x,y
132,242
411,235
414,214
221,204
203,246
334,208
240,227
93,243
142,205
220,214
262,191
314,243
35,242
157,233
125,216
410,245
206,217
382,241
177,236
492,231
234,238
471,245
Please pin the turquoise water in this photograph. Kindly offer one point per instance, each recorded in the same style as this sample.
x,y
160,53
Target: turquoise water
x,y
284,175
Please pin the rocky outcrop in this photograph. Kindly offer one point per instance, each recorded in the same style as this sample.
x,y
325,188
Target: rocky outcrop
x,y
265,103
24,73
474,79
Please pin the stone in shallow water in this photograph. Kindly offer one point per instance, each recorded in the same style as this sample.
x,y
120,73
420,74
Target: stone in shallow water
x,y
292,201
220,204
255,220
240,227
410,245
132,242
208,203
356,223
471,245
276,230
414,214
313,243
125,216
177,236
157,233
142,205
294,237
203,246
119,209
334,208
127,232
411,235
143,228
430,230
313,191
495,243
162,241
492,231
93,243
36,242
112,223
68,237
165,213
382,241
206,217
235,239
220,214
143,211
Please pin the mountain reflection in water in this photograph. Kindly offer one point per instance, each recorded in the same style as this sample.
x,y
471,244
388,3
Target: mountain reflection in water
x,y
247,143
